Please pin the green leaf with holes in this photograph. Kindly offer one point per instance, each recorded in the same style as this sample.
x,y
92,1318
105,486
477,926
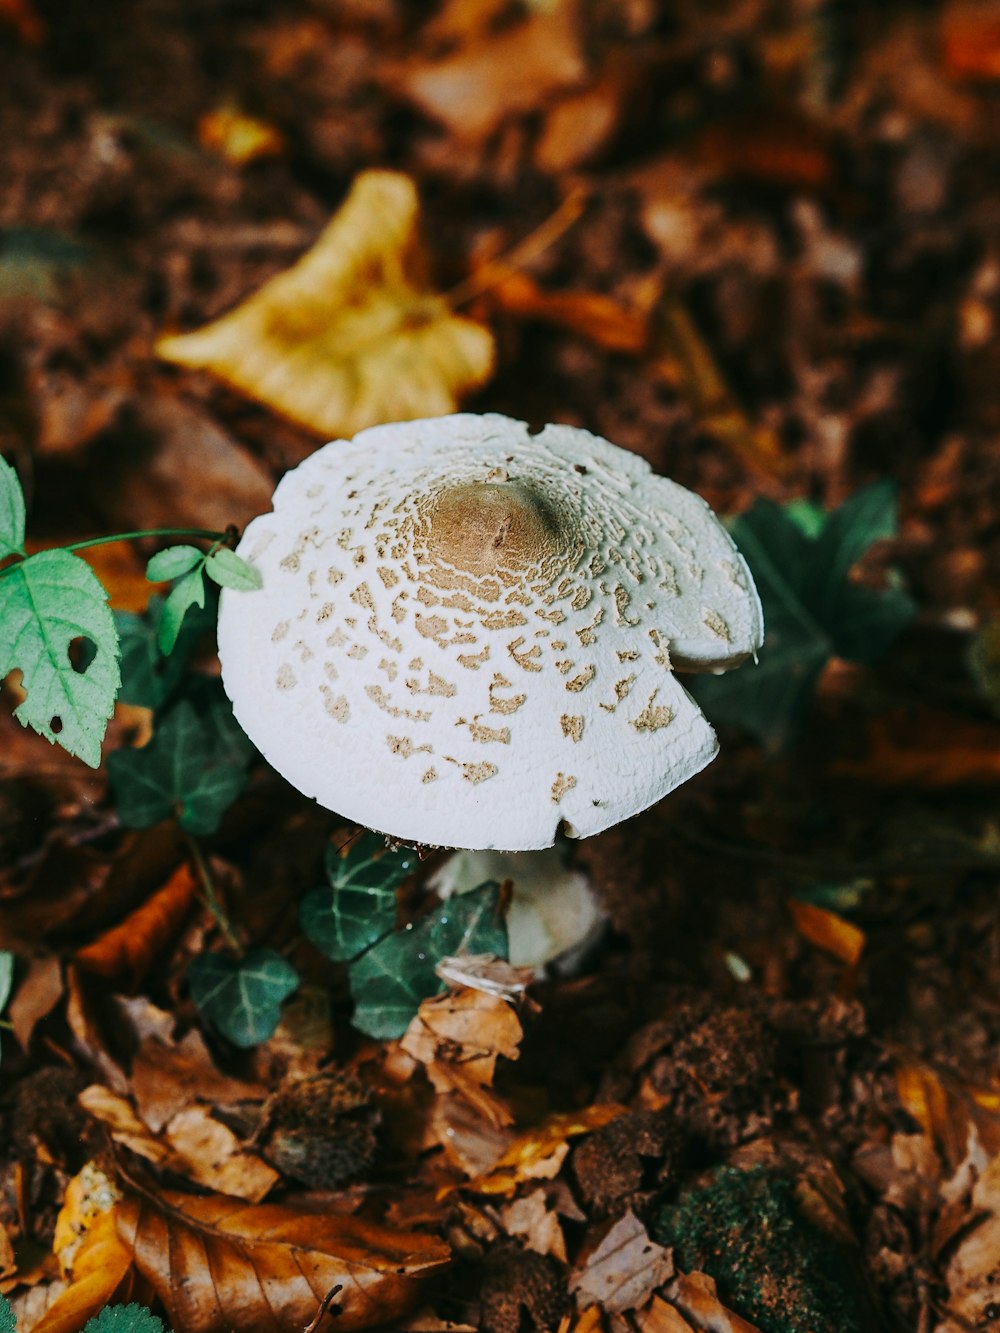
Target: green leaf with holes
x,y
47,602
11,512
194,767
396,974
359,906
242,997
812,609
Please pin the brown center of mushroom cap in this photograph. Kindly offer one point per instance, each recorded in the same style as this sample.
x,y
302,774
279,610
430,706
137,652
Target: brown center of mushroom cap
x,y
482,527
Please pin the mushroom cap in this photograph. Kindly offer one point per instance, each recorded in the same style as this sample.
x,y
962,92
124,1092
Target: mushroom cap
x,y
466,632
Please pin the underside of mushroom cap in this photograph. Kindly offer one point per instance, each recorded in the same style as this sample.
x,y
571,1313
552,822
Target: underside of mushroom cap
x,y
465,633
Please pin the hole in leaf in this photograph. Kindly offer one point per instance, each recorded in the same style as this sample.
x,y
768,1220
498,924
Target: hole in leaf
x,y
81,653
56,725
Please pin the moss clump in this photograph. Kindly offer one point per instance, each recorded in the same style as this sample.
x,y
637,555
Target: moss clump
x,y
772,1264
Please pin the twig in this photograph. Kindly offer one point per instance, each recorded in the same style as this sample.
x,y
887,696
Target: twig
x,y
324,1308
210,897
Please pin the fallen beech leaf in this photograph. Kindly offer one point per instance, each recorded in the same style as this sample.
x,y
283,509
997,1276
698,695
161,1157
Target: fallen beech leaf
x,y
695,1296
115,1112
126,952
467,1027
533,1221
591,315
167,1078
539,1153
351,335
948,1110
970,41
659,1317
218,1265
930,749
475,90
828,931
37,995
214,1157
237,137
474,1142
623,1271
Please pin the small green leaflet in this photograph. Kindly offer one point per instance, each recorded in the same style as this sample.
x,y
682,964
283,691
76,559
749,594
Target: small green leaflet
x,y
46,602
812,611
242,997
390,980
194,767
188,565
6,976
149,677
11,512
359,907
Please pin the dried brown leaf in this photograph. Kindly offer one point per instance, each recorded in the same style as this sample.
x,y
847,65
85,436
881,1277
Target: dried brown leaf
x,y
168,1078
217,1265
127,951
467,1027
37,995
352,334
623,1271
520,69
695,1296
828,931
539,1153
532,1220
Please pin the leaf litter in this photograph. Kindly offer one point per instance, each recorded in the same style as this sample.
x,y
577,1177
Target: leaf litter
x,y
762,257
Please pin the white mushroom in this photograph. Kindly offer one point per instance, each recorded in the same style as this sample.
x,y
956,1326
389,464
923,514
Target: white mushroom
x,y
466,633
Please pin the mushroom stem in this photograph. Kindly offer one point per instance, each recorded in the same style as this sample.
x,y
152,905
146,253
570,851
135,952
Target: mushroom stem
x,y
553,915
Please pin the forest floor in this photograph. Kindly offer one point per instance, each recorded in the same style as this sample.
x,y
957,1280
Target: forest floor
x,y
757,243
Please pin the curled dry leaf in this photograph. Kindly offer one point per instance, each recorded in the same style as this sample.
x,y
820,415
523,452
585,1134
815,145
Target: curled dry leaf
x,y
217,1264
126,951
167,1077
623,1271
828,931
536,1224
351,335
695,1297
470,1027
539,1153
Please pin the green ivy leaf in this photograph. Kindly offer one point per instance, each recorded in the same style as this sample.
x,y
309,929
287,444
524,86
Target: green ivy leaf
x,y
11,512
242,997
8,1320
390,980
359,907
46,602
172,562
149,677
188,591
812,611
230,570
194,767
124,1319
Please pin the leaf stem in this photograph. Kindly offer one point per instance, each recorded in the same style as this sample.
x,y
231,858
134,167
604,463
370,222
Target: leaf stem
x,y
205,534
210,896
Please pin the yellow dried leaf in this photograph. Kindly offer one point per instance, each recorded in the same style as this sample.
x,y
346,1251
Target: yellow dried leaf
x,y
237,137
351,335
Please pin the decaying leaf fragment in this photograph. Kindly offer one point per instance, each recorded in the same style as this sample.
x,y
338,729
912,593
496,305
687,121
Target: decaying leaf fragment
x,y
351,335
217,1264
624,1270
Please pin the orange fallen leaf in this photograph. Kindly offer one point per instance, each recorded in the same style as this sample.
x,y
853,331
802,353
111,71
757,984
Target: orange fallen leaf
x,y
947,1109
540,1152
657,1316
217,1264
927,748
126,951
238,137
591,315
352,334
970,41
469,1027
828,931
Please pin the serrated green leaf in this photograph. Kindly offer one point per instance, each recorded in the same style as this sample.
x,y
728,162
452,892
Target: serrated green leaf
x,y
46,602
359,907
812,610
6,976
149,677
242,997
394,976
172,563
8,1320
188,591
124,1319
11,512
193,768
231,571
